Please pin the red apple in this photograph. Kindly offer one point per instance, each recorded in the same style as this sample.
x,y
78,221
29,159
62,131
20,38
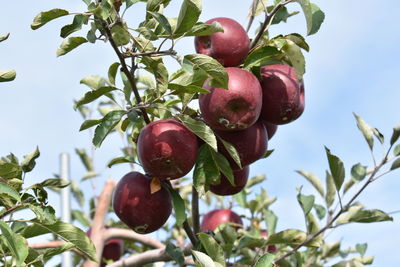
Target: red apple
x,y
283,94
216,217
235,109
225,188
271,129
113,249
251,144
229,48
137,207
167,149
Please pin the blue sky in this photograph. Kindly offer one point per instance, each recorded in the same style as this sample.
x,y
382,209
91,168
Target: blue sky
x,y
352,67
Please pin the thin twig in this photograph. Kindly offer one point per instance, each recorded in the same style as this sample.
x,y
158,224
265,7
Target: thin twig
x,y
125,69
189,232
268,20
252,14
151,54
342,210
195,210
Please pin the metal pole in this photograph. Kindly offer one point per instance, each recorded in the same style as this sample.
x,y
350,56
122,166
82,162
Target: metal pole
x,y
66,257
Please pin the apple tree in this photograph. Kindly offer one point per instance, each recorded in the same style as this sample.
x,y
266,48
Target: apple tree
x,y
213,116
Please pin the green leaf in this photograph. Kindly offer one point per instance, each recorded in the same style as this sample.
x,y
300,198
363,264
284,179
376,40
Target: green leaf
x,y
212,248
349,184
44,214
256,180
9,191
5,37
7,75
232,152
51,252
366,130
291,237
191,89
336,167
320,210
259,55
205,169
212,67
55,183
107,124
10,170
69,44
67,232
396,150
378,135
201,29
202,130
112,72
175,253
362,248
80,217
358,172
223,165
306,202
188,15
296,57
179,206
120,34
16,244
118,160
395,135
345,217
241,198
76,25
162,20
85,159
266,260
203,259
396,164
318,18
314,180
93,95
368,216
29,161
94,82
270,220
77,193
88,124
43,17
330,189
307,10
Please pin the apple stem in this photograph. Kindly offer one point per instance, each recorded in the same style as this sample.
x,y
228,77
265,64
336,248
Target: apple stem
x,y
126,71
195,210
268,20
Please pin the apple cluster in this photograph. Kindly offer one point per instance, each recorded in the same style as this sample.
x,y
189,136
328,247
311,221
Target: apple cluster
x,y
246,116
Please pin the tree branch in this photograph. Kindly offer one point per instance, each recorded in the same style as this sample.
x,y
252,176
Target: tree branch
x,y
150,256
267,22
340,212
195,210
125,69
150,54
97,230
111,233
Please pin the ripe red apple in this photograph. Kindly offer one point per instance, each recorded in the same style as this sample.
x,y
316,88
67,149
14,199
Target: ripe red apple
x,y
137,207
235,109
225,188
251,144
271,129
229,48
283,94
214,218
167,149
113,249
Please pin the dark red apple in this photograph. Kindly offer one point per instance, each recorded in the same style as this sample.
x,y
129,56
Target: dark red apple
x,y
271,129
283,94
167,149
235,109
113,249
225,188
214,218
229,48
251,144
137,207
